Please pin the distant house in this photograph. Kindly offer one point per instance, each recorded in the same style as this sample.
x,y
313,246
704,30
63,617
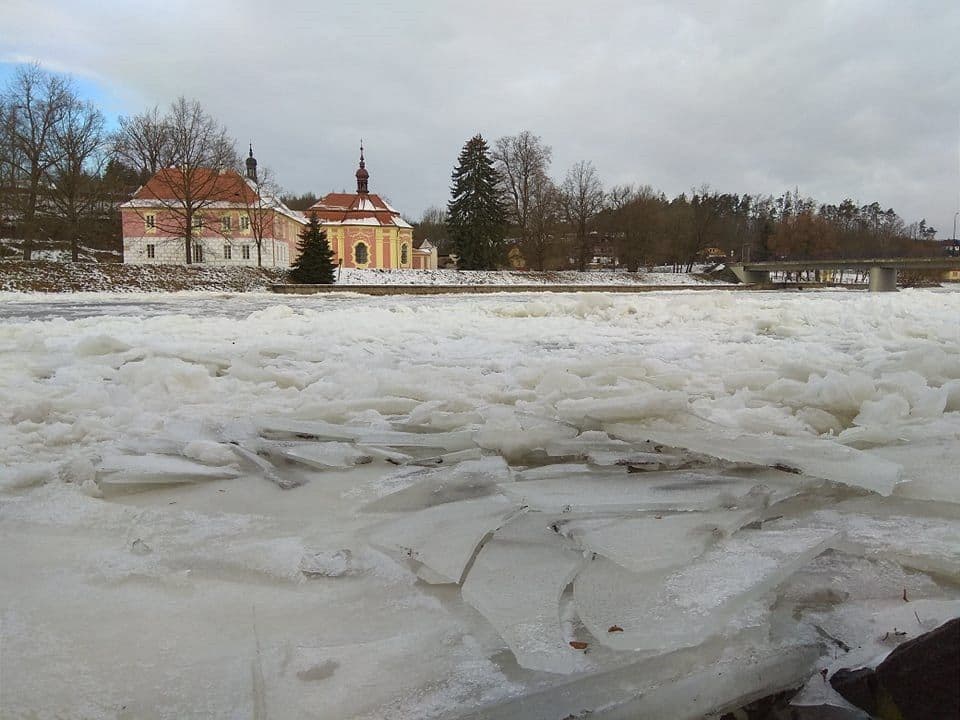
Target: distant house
x,y
365,231
235,215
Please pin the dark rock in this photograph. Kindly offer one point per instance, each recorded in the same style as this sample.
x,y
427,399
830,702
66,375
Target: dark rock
x,y
920,680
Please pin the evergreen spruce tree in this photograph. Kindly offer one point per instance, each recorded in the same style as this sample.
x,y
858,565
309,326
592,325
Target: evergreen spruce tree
x,y
476,214
315,264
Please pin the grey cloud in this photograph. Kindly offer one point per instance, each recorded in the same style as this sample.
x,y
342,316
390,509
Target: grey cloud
x,y
840,99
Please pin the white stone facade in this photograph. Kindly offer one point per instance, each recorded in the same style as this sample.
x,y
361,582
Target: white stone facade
x,y
154,250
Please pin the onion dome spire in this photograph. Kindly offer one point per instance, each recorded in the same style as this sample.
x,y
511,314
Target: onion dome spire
x,y
252,165
362,174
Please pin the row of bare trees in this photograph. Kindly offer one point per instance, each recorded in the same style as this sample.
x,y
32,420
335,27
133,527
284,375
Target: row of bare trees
x,y
53,153
61,170
561,223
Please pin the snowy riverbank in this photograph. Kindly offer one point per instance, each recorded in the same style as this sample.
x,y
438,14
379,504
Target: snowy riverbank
x,y
658,504
48,276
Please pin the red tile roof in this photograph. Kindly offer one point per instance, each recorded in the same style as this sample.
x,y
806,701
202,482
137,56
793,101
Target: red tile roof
x,y
208,184
356,208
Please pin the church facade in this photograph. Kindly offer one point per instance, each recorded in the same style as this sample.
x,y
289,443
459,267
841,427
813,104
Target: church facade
x,y
365,231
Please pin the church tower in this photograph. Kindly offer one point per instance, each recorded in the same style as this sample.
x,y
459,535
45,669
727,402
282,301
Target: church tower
x,y
362,174
252,165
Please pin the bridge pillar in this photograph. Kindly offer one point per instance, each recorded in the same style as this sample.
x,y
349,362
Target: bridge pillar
x,y
750,276
883,279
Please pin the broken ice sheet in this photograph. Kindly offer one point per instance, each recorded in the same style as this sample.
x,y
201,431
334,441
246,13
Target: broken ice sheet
x,y
585,443
321,455
814,456
668,610
620,491
922,536
115,469
931,470
518,435
444,537
516,582
837,577
654,541
864,632
464,481
449,441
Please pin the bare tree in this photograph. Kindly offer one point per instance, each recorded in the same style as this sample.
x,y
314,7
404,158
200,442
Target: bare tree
x,y
191,177
543,218
432,226
582,197
75,176
36,102
521,160
636,220
9,163
261,200
142,142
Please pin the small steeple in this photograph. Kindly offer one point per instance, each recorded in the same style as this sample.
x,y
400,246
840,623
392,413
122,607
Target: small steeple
x,y
252,165
362,174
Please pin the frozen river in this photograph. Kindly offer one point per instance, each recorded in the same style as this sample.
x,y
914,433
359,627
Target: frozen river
x,y
520,505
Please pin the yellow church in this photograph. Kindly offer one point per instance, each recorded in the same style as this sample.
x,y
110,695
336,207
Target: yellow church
x,y
365,231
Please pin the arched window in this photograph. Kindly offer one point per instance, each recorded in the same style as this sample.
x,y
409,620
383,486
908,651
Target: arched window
x,y
403,254
360,254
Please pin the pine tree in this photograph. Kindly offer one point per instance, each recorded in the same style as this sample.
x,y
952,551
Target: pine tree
x,y
315,264
476,213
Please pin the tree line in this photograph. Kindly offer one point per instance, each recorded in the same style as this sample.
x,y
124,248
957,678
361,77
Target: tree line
x,y
504,202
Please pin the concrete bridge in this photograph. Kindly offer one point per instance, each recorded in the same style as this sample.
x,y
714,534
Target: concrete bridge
x,y
883,271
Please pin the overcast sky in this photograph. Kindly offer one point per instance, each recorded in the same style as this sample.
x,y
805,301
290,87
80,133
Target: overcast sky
x,y
839,98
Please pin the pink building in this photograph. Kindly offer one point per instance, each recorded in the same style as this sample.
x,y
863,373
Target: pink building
x,y
234,221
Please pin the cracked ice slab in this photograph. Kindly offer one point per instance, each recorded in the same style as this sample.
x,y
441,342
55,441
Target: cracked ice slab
x,y
445,537
465,481
672,490
665,611
921,536
516,582
322,456
160,469
449,441
817,457
654,542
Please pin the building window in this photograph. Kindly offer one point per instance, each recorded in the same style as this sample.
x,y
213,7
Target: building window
x,y
244,222
225,223
246,252
198,253
198,221
403,254
151,251
151,221
360,253
227,252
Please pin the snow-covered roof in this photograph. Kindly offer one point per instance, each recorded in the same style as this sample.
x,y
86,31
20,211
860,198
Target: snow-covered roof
x,y
356,209
221,190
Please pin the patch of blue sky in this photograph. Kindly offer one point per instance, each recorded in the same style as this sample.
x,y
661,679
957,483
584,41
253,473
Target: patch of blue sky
x,y
87,88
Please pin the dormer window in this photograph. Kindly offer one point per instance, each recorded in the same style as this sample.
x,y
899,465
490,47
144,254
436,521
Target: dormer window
x,y
225,223
150,221
198,221
244,222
